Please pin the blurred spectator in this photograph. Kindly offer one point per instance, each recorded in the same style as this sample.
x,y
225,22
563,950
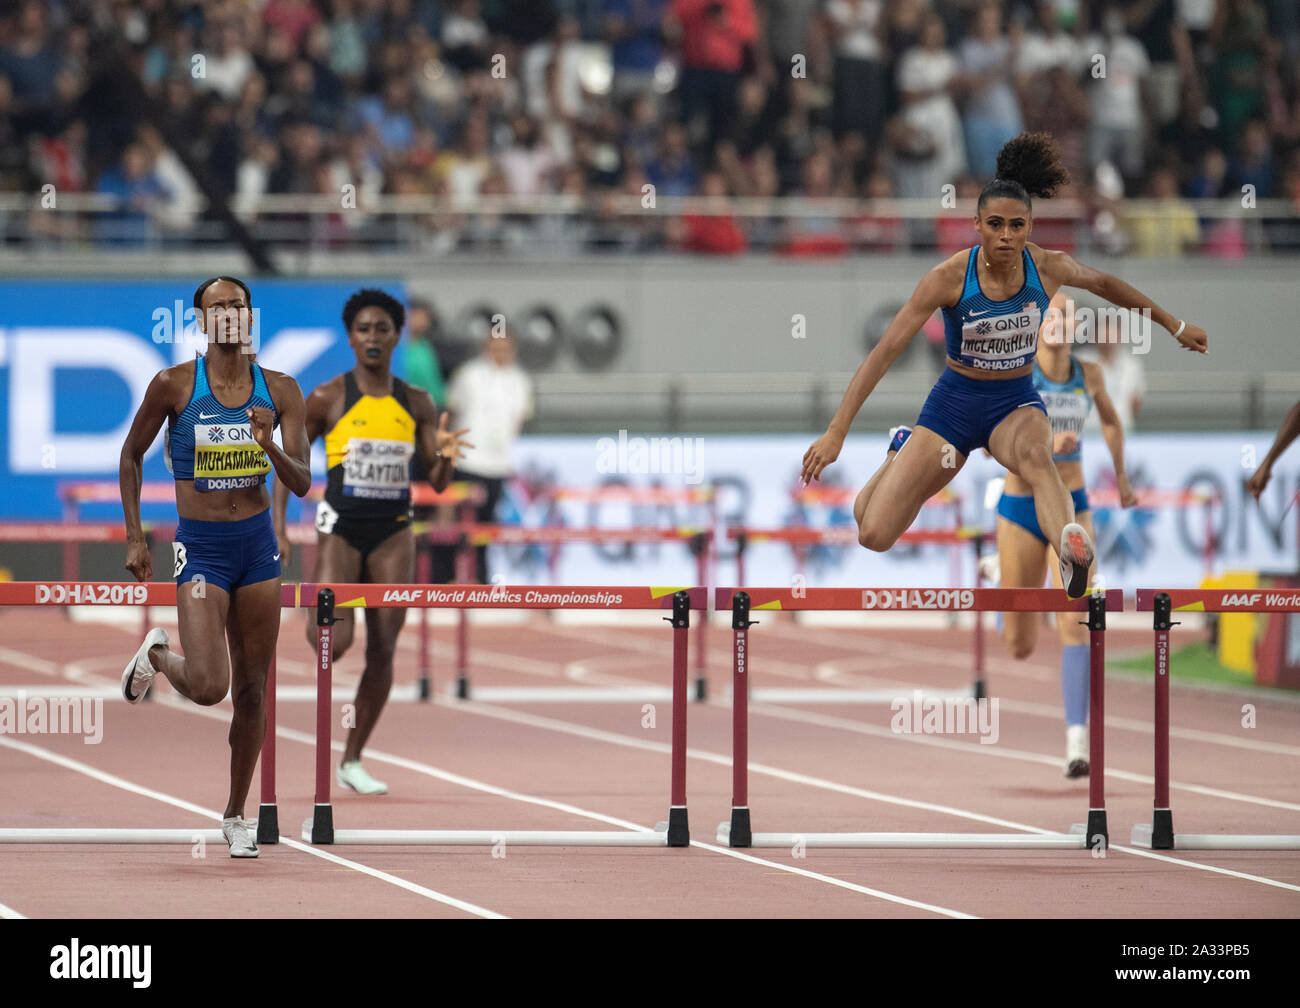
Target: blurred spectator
x,y
1238,35
877,230
465,41
177,214
673,172
1283,233
1209,180
493,397
860,75
815,234
140,193
1166,226
716,231
992,110
1122,369
30,61
389,122
463,168
1253,164
634,31
422,366
295,172
347,46
926,77
1047,45
293,17
227,64
1154,24
1118,126
715,36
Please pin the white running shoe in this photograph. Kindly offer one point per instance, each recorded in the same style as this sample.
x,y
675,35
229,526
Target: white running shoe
x,y
354,776
1076,750
240,836
991,570
139,672
1076,557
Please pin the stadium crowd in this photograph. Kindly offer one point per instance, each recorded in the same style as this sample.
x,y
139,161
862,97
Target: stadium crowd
x,y
596,99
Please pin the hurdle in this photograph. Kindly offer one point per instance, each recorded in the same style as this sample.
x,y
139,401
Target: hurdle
x,y
146,594
1162,603
471,534
800,538
738,832
319,829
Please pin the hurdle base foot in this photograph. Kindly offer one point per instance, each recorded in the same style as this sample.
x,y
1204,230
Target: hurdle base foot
x,y
268,824
319,829
740,835
462,687
424,688
679,833
701,689
980,692
1096,827
1162,829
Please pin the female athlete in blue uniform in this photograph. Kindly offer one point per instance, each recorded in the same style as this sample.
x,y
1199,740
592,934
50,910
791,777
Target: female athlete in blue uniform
x,y
992,298
1069,389
227,563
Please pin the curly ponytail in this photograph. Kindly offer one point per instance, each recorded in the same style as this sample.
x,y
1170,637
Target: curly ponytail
x,y
1028,165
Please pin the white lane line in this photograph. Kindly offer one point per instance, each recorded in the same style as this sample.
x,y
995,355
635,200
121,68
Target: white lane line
x,y
597,734
9,913
876,731
307,739
181,803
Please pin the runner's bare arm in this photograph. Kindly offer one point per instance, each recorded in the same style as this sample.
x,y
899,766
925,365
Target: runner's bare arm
x,y
937,288
317,409
1112,431
158,405
292,464
1062,270
441,448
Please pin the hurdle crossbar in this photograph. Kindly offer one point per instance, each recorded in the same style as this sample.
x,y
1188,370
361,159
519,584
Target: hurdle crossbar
x,y
1162,604
144,594
328,597
743,602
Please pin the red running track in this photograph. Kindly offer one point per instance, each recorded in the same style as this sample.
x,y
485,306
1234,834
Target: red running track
x,y
582,766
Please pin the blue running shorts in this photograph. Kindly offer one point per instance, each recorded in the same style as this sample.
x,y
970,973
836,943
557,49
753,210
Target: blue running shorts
x,y
227,554
964,411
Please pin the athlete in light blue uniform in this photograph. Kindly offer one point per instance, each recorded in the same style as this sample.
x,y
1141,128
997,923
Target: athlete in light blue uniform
x,y
992,297
227,565
1069,388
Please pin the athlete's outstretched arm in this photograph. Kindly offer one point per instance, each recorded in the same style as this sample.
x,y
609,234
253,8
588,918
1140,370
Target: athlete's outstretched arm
x,y
1112,431
1065,271
931,294
441,448
156,408
1287,433
292,464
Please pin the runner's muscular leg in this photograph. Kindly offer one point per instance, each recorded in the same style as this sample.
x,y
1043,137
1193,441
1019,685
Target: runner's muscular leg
x,y
203,674
926,464
253,628
1022,558
391,562
336,563
1022,443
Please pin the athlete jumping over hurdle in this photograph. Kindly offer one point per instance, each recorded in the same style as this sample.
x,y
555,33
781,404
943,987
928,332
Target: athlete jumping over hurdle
x,y
373,423
1069,389
992,298
227,563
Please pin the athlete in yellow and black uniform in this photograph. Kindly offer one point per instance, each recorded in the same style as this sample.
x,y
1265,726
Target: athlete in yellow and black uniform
x,y
373,423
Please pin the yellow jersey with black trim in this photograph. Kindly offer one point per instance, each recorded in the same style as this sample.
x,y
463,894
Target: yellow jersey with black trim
x,y
369,452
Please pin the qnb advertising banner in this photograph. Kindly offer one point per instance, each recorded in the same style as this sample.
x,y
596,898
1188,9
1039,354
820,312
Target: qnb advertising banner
x,y
757,479
76,359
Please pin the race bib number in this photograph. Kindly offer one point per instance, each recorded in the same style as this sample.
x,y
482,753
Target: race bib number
x,y
178,558
377,469
227,458
326,516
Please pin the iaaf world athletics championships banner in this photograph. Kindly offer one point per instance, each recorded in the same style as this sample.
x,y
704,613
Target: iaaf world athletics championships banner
x,y
76,358
757,477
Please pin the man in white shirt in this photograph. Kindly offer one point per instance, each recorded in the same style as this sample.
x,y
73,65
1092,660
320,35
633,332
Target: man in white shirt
x,y
494,393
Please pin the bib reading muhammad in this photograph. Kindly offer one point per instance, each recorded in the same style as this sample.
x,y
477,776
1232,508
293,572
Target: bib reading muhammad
x,y
368,453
